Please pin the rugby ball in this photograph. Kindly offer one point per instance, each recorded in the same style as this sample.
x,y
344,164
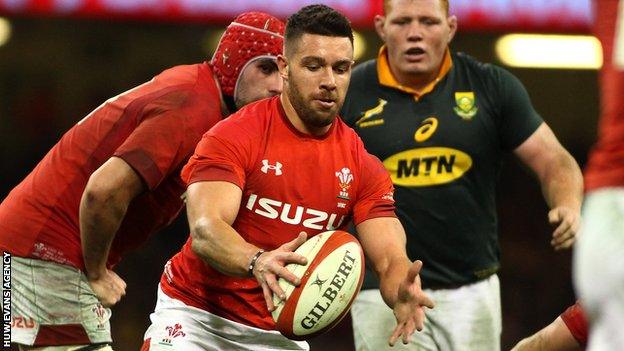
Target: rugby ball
x,y
329,283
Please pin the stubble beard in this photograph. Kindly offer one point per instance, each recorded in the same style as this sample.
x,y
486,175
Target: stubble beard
x,y
308,115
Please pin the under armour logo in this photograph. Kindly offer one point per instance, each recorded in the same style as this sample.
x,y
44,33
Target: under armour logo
x,y
266,166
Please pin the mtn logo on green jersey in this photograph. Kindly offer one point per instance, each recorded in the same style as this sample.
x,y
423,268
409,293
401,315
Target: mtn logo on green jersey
x,y
427,166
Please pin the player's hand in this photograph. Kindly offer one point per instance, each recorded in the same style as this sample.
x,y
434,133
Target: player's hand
x,y
409,307
270,266
108,287
567,222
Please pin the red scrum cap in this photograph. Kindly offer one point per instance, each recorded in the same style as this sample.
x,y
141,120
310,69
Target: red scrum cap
x,y
250,36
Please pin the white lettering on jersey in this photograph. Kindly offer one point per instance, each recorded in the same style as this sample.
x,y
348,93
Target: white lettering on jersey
x,y
313,222
267,208
295,220
273,209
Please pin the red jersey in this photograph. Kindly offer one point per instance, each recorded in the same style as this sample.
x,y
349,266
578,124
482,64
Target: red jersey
x,y
575,320
153,127
605,167
291,182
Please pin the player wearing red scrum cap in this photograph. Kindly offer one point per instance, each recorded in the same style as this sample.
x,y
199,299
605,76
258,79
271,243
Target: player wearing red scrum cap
x,y
113,179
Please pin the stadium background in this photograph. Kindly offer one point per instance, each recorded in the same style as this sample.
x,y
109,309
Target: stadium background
x,y
58,65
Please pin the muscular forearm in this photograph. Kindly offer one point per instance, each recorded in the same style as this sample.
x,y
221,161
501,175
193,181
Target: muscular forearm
x,y
562,183
386,253
391,277
100,218
104,203
219,245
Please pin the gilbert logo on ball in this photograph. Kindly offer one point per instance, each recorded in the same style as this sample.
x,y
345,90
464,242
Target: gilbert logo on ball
x,y
329,283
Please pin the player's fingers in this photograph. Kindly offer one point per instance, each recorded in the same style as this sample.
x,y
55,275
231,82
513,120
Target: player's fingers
x,y
289,276
576,226
425,300
562,230
123,283
291,257
115,299
119,288
108,300
106,303
408,331
566,244
114,276
568,234
413,271
420,320
119,284
395,334
114,281
268,297
271,281
554,216
294,244
564,238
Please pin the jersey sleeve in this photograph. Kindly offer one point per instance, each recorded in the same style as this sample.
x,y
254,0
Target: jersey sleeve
x,y
574,319
168,130
375,194
518,118
223,154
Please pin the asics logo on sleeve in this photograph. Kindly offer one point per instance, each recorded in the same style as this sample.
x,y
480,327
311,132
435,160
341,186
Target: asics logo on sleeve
x,y
277,168
295,215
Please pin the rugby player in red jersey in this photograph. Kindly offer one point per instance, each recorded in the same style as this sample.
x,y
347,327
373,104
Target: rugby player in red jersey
x,y
275,169
598,258
114,179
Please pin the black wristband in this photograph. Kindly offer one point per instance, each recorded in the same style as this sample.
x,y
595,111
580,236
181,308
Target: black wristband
x,y
252,263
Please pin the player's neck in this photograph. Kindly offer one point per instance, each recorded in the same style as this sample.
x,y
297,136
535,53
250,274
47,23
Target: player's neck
x,y
297,122
415,81
224,108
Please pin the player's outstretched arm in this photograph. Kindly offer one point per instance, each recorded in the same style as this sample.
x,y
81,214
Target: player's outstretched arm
x,y
554,337
103,205
212,207
383,240
561,181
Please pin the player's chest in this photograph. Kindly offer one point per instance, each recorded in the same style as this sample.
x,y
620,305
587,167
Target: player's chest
x,y
303,183
451,122
436,140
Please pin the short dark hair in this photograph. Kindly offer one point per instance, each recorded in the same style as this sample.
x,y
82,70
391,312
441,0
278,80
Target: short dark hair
x,y
317,19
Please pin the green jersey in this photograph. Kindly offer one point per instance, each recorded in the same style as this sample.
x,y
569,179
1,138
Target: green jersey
x,y
444,152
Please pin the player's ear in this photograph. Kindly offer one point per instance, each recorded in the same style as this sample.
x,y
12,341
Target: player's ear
x,y
282,66
380,22
452,21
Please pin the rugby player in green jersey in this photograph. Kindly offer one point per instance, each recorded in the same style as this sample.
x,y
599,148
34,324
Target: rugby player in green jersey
x,y
442,122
